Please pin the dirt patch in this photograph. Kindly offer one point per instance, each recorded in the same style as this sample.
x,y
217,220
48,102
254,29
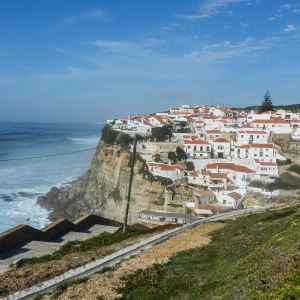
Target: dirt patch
x,y
18,279
101,286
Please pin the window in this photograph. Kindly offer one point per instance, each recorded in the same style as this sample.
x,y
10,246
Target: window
x,y
195,148
201,148
242,136
189,147
258,136
207,148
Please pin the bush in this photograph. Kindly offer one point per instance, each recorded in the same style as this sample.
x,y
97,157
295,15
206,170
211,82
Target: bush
x,y
295,168
256,184
180,154
190,165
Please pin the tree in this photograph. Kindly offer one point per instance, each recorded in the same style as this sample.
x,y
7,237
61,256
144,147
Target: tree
x,y
161,133
267,103
180,154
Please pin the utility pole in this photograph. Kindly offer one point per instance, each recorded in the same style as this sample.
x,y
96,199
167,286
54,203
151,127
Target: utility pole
x,y
130,182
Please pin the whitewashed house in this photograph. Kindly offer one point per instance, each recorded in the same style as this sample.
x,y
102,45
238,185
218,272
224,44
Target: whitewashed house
x,y
230,199
173,172
221,148
244,136
256,150
265,169
197,148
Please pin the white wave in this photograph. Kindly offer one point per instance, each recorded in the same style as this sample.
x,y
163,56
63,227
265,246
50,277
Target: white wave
x,y
86,141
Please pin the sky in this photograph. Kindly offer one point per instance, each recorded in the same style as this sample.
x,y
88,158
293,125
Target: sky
x,y
90,61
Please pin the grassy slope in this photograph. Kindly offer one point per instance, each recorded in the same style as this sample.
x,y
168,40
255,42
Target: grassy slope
x,y
253,257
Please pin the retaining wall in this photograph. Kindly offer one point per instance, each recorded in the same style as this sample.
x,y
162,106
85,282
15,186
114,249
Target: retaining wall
x,y
22,233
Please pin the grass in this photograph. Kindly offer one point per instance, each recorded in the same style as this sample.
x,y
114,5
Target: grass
x,y
252,257
104,239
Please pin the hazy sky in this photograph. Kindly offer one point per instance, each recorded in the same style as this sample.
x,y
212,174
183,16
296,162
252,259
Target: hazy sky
x,y
75,60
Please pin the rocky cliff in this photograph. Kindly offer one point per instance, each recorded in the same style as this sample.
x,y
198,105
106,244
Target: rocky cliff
x,y
103,189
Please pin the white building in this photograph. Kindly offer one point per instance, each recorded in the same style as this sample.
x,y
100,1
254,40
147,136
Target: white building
x,y
244,136
197,148
173,172
221,148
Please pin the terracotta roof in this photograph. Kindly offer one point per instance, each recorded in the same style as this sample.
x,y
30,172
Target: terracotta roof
x,y
247,126
247,146
196,142
268,163
218,175
256,145
205,172
220,166
221,140
213,131
235,195
203,193
190,136
165,167
242,169
194,173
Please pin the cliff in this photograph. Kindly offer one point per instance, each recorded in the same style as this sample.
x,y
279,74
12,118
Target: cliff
x,y
103,189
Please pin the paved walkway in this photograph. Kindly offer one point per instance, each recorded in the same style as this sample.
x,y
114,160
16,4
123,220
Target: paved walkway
x,y
37,248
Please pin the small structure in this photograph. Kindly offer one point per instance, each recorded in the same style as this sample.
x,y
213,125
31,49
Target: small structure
x,y
158,218
203,213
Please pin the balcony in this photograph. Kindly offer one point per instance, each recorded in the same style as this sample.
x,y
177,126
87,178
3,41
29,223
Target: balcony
x,y
246,179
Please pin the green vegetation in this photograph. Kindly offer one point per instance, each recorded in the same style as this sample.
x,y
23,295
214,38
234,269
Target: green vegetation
x,y
156,203
180,154
111,136
172,157
150,177
104,239
295,168
286,181
267,103
161,133
252,257
115,194
174,205
190,165
257,184
283,162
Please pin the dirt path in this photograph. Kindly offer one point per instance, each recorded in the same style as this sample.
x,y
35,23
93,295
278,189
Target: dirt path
x,y
104,285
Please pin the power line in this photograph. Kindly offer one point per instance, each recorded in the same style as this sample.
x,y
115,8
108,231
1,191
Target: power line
x,y
45,156
59,154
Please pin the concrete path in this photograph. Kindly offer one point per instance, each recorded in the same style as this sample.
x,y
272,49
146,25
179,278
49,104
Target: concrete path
x,y
37,249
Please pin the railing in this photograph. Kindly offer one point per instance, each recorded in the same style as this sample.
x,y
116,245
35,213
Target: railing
x,y
246,179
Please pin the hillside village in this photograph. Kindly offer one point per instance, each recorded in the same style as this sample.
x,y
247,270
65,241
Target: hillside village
x,y
224,149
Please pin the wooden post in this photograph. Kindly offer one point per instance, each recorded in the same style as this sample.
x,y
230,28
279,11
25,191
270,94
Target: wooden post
x,y
130,182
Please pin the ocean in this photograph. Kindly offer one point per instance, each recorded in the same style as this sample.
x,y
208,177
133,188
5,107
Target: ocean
x,y
23,180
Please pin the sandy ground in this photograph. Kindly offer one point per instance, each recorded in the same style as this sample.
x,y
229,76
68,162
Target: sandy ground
x,y
103,285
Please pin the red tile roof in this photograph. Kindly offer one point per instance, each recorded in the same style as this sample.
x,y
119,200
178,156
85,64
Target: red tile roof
x,y
220,165
242,169
196,142
221,140
218,175
256,145
235,195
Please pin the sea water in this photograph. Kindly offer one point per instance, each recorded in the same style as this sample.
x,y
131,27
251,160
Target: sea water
x,y
28,169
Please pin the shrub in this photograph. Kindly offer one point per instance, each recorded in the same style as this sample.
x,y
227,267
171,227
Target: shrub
x,y
256,184
294,168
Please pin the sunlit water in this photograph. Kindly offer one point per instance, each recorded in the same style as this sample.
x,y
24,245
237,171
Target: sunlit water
x,y
22,181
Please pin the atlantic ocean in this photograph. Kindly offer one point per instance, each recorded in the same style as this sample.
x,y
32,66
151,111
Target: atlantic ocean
x,y
35,157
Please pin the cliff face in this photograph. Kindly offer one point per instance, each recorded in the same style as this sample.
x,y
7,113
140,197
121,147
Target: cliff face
x,y
103,189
